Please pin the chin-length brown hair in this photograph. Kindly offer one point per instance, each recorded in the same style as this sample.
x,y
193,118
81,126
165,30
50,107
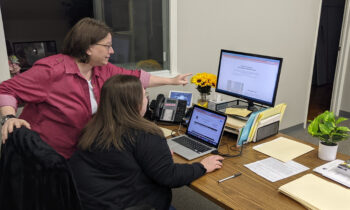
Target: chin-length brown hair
x,y
118,115
84,33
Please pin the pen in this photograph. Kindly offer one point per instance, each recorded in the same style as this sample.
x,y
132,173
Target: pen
x,y
230,177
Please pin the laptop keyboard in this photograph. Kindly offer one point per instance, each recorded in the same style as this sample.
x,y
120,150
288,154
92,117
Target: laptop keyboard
x,y
186,142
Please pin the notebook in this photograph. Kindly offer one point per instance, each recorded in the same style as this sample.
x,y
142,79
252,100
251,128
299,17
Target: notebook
x,y
203,134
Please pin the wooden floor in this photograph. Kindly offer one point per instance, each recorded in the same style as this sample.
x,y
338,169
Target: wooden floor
x,y
320,100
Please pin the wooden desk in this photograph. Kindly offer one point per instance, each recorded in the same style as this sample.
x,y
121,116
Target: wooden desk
x,y
250,191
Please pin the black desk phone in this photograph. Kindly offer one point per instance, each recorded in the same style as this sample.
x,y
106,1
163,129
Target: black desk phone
x,y
168,109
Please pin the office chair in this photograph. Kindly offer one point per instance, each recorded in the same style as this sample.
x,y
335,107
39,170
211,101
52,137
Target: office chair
x,y
34,176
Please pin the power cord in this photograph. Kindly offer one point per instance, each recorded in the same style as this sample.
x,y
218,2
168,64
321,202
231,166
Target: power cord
x,y
232,148
176,130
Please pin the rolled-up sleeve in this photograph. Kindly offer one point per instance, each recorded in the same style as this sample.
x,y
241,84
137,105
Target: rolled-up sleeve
x,y
141,74
144,78
8,100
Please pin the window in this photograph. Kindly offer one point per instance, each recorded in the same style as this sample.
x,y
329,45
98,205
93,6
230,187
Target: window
x,y
141,32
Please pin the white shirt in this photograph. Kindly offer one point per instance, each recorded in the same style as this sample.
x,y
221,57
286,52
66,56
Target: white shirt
x,y
92,98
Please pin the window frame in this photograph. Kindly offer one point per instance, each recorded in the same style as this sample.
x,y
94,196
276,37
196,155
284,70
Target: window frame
x,y
171,37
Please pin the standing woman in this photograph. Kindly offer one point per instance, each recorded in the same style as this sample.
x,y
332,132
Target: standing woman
x,y
61,92
123,160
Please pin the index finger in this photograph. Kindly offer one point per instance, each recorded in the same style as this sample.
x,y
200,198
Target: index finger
x,y
4,134
219,157
186,75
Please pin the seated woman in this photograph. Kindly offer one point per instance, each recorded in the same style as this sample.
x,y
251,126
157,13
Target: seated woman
x,y
123,160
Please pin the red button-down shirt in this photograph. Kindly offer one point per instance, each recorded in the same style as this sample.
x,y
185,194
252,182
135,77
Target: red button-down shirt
x,y
56,97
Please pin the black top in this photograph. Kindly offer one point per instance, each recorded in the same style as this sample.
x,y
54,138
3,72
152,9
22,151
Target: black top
x,y
142,174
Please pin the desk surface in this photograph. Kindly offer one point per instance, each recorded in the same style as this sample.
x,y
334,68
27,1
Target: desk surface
x,y
250,191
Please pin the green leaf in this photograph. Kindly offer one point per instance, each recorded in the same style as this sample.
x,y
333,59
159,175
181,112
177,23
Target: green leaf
x,y
341,119
324,137
331,117
325,116
324,129
343,128
313,127
329,125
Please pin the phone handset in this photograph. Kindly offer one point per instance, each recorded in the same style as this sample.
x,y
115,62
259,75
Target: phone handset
x,y
158,106
168,109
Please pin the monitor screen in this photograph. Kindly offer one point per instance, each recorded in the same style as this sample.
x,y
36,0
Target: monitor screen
x,y
249,76
187,96
29,52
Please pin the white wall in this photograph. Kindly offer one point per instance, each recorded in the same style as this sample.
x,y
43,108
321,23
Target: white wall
x,y
286,29
345,102
4,66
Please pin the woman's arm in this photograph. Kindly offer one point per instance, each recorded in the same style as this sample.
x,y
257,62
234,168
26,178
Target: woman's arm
x,y
180,79
147,79
11,122
30,86
154,157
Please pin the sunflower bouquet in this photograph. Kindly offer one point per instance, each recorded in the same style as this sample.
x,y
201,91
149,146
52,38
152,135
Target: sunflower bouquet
x,y
204,82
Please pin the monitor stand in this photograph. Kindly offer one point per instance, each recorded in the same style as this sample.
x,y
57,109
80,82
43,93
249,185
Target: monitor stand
x,y
251,106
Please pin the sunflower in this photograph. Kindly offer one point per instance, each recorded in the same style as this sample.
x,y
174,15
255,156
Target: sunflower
x,y
204,81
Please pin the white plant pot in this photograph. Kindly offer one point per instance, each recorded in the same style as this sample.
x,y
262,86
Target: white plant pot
x,y
326,152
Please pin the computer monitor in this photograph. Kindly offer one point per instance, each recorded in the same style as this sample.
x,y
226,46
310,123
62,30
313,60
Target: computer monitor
x,y
183,95
249,76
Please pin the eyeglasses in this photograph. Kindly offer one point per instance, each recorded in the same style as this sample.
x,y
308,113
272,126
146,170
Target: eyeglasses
x,y
106,46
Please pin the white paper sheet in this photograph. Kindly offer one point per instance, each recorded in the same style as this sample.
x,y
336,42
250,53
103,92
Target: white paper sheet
x,y
166,131
275,170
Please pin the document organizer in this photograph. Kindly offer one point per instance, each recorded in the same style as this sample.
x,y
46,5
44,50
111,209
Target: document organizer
x,y
267,131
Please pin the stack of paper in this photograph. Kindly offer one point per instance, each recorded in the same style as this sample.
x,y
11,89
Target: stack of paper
x,y
266,117
238,111
259,119
245,130
317,193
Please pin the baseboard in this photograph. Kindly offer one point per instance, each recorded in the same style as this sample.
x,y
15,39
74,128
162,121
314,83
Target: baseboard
x,y
344,114
292,128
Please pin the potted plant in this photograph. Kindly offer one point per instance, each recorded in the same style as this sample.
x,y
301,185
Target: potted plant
x,y
326,128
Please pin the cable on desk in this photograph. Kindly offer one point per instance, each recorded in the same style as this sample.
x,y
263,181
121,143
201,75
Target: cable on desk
x,y
176,130
227,155
216,152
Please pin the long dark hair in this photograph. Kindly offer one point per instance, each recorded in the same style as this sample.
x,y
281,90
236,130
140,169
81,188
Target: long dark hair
x,y
83,34
118,115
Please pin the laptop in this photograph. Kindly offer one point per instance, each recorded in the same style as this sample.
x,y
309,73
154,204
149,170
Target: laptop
x,y
203,134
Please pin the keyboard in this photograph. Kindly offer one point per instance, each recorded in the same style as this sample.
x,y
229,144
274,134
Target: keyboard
x,y
192,145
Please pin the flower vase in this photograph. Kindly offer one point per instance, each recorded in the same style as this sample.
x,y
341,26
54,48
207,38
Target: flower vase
x,y
203,101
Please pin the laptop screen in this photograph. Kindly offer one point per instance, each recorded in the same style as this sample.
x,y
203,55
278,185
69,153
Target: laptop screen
x,y
206,125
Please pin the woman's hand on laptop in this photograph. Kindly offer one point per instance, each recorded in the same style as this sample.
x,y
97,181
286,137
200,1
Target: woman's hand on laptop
x,y
212,162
